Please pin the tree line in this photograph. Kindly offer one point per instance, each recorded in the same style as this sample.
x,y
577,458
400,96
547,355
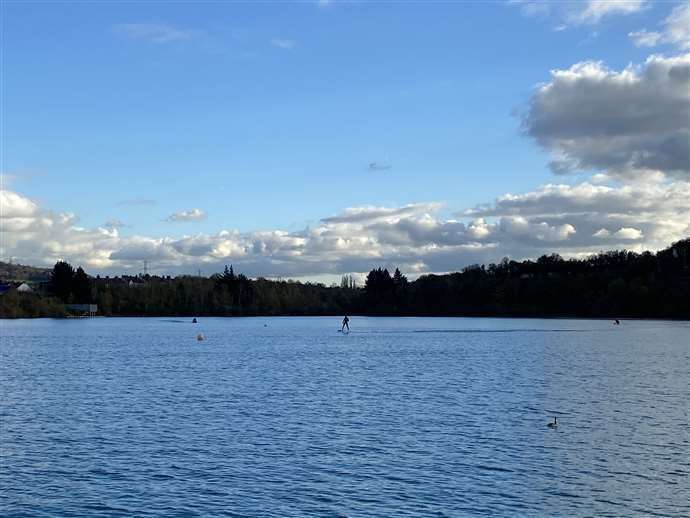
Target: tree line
x,y
608,284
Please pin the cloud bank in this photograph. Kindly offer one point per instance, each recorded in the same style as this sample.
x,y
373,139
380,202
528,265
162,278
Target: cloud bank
x,y
570,220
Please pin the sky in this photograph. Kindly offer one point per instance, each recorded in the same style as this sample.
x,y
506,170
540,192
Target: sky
x,y
314,139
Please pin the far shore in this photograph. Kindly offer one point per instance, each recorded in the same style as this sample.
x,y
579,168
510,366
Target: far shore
x,y
334,316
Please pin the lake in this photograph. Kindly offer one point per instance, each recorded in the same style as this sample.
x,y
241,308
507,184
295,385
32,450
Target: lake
x,y
288,417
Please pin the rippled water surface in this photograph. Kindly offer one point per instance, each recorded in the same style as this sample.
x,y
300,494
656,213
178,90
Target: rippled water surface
x,y
288,417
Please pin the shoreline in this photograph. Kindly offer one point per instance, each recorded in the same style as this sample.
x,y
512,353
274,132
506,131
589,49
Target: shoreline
x,y
513,317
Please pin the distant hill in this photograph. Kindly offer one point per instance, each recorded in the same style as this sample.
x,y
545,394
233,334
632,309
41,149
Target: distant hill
x,y
20,272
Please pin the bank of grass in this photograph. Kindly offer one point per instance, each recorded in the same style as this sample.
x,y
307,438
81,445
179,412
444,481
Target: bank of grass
x,y
30,305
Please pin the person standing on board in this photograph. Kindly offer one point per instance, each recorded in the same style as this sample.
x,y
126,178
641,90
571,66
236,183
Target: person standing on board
x,y
345,324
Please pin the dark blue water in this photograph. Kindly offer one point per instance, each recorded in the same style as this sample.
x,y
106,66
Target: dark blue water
x,y
287,417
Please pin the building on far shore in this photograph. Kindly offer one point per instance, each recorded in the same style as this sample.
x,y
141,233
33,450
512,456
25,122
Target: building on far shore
x,y
20,286
82,310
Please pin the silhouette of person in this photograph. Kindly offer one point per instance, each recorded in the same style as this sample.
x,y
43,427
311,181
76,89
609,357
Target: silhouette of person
x,y
345,324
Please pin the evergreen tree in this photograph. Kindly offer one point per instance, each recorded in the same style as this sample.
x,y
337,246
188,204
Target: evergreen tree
x,y
81,287
61,279
399,280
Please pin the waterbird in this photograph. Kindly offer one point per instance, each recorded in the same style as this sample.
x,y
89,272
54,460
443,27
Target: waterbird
x,y
200,337
554,424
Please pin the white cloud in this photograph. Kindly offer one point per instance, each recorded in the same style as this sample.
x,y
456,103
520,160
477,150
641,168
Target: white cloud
x,y
13,206
156,33
595,10
589,12
371,214
644,38
677,26
187,215
676,30
283,44
629,233
634,122
558,199
570,220
658,212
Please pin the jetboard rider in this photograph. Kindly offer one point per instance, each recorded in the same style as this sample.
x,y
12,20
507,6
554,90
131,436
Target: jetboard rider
x,y
345,324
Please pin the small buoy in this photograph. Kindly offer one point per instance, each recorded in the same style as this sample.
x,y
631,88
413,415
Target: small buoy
x,y
200,337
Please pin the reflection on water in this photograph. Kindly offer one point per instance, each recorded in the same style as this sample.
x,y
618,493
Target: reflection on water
x,y
288,417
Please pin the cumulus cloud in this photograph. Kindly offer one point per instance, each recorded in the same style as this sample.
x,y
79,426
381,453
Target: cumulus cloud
x,y
675,31
187,215
556,199
631,122
656,212
156,33
15,206
629,233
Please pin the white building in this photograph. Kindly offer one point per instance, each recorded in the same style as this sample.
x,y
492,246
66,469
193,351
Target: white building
x,y
24,288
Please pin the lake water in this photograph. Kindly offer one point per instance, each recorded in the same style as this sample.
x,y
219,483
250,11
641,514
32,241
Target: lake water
x,y
287,417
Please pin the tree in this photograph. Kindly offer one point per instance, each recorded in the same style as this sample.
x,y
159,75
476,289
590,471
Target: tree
x,y
228,279
378,281
347,282
81,287
61,279
399,280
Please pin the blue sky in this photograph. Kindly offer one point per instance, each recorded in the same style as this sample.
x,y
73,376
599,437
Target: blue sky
x,y
266,116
